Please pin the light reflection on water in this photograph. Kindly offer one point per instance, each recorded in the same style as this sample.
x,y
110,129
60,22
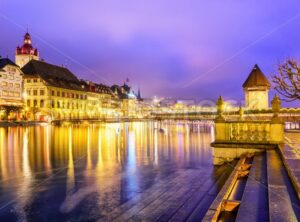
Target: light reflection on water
x,y
74,172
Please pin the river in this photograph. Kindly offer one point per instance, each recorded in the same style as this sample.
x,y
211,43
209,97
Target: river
x,y
86,172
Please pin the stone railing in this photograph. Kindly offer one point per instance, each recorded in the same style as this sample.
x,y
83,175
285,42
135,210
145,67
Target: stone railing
x,y
249,131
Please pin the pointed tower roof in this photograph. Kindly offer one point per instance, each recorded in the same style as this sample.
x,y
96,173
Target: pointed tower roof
x,y
256,78
27,48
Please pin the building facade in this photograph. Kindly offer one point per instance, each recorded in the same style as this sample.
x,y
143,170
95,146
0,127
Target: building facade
x,y
256,89
11,88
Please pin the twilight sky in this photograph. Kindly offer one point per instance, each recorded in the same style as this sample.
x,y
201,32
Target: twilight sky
x,y
183,49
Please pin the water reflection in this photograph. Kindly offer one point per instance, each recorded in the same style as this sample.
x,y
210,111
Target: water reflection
x,y
75,172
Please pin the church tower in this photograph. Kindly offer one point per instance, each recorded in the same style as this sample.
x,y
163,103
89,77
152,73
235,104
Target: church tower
x,y
256,89
26,53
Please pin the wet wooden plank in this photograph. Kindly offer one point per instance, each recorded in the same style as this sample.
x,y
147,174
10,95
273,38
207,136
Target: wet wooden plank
x,y
168,200
128,210
254,204
280,207
203,208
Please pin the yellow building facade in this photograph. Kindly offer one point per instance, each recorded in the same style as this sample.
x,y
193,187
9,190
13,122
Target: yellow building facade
x,y
49,97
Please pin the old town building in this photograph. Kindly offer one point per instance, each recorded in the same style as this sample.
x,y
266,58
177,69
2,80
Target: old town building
x,y
11,89
55,92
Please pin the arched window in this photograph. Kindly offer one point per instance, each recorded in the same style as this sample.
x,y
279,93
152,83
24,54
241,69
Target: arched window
x,y
42,103
35,103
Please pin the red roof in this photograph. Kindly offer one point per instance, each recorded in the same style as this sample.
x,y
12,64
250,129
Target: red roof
x,y
27,48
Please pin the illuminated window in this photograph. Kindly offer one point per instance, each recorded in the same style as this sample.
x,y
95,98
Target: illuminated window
x,y
35,92
4,84
42,103
28,92
35,80
58,104
42,92
35,103
63,94
58,93
52,92
17,85
28,80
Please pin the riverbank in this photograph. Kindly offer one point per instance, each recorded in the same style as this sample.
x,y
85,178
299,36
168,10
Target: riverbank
x,y
67,122
22,123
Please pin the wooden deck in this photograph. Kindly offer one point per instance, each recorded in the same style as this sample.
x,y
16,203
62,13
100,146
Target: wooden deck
x,y
184,196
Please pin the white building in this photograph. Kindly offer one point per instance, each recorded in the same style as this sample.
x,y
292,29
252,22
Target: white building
x,y
10,84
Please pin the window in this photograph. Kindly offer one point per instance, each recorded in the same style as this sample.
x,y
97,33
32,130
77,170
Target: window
x,y
35,92
5,93
17,85
4,76
42,103
4,84
52,93
63,94
28,103
28,80
10,85
42,92
52,104
35,103
77,96
58,93
35,80
17,94
58,104
28,92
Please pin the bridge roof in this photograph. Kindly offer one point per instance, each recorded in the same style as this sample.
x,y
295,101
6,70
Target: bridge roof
x,y
256,78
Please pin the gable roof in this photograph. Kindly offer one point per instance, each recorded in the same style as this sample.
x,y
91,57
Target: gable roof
x,y
256,78
54,75
5,61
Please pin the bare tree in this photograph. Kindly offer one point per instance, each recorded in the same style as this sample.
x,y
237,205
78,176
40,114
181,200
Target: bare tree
x,y
287,80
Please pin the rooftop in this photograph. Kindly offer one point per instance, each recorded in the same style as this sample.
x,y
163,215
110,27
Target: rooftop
x,y
5,61
256,78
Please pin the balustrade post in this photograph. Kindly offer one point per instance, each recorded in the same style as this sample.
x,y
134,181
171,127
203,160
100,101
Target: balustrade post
x,y
220,123
277,126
